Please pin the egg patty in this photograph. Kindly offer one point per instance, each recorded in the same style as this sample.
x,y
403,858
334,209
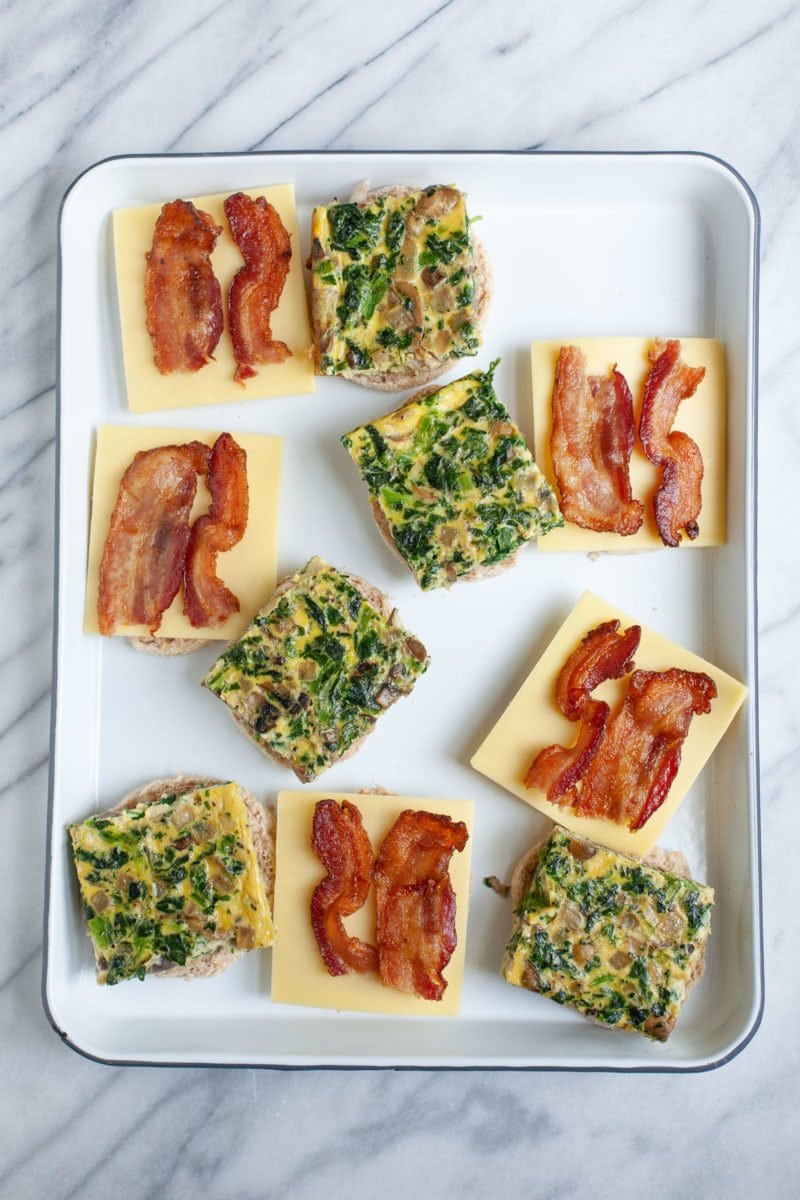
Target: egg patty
x,y
392,282
453,481
315,669
615,938
165,882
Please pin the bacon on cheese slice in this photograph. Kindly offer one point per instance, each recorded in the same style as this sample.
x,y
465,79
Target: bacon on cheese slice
x,y
299,973
533,719
148,390
247,567
703,420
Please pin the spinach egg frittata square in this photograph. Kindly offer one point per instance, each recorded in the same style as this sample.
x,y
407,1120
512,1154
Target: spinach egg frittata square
x,y
617,938
452,483
169,881
392,282
315,669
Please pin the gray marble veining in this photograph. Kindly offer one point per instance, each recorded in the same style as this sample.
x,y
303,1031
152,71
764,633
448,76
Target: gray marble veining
x,y
81,81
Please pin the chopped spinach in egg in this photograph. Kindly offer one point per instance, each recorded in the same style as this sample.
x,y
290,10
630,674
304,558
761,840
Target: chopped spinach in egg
x,y
453,481
392,280
615,938
165,882
315,670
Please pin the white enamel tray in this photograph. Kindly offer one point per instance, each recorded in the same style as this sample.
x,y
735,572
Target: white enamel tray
x,y
653,244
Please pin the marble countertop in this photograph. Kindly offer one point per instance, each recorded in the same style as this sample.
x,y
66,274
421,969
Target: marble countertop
x,y
85,81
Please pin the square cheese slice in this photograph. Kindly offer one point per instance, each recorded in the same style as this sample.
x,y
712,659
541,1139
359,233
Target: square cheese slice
x,y
533,721
299,975
149,390
702,416
249,569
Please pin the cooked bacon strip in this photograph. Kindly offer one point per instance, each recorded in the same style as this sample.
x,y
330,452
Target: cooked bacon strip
x,y
678,499
183,299
206,599
590,444
416,931
638,759
342,846
603,654
256,289
142,564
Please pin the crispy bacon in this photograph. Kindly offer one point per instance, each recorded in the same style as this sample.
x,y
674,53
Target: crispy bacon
x,y
590,444
142,564
678,499
183,299
340,842
638,759
603,654
416,930
206,599
256,289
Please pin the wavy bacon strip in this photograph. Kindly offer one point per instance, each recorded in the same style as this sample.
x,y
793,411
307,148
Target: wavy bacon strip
x,y
678,499
416,929
206,599
591,441
256,289
144,552
603,654
183,299
633,770
340,842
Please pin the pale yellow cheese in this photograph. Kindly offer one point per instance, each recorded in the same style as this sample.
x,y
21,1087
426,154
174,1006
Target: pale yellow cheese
x,y
702,416
149,390
249,569
533,721
299,975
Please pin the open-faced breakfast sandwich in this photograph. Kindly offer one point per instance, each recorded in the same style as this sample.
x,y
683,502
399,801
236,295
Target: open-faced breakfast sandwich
x,y
211,299
400,287
631,433
396,869
621,939
183,538
453,487
177,879
610,728
316,668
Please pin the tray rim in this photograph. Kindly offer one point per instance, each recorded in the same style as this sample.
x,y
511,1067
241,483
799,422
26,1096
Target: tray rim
x,y
751,630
